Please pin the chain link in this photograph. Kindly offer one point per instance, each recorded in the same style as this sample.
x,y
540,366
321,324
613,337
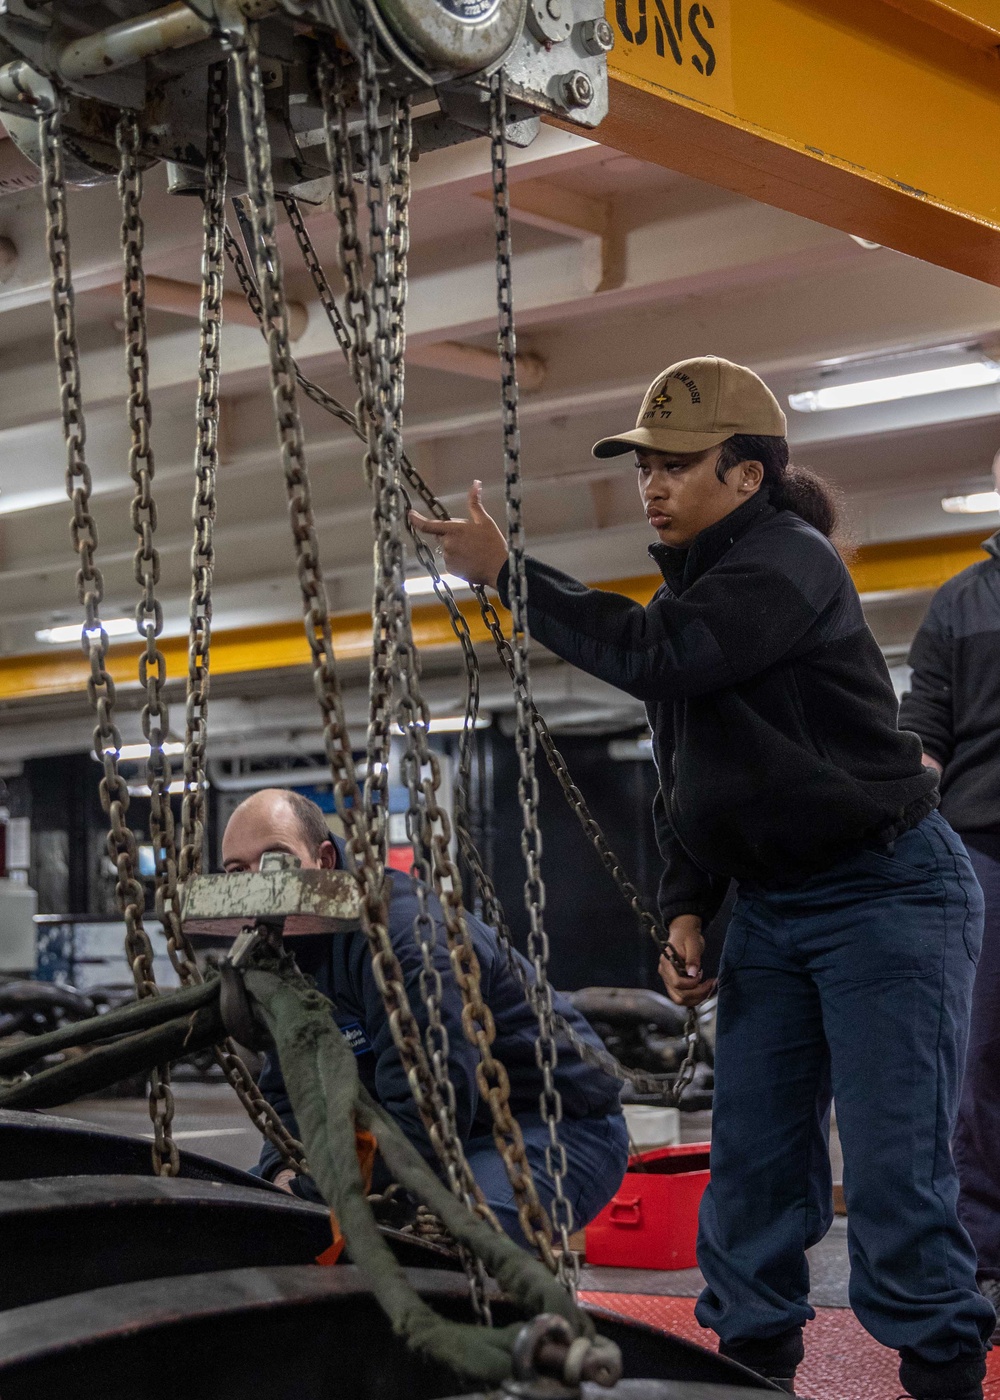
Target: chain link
x,y
546,1052
206,464
214,232
362,855
379,370
427,823
90,590
149,623
669,1086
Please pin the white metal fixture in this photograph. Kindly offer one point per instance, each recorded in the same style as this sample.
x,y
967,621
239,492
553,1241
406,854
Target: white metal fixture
x,y
421,584
72,631
972,374
979,503
129,752
453,724
142,789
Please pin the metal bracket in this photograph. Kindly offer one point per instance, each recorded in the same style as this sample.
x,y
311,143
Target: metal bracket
x,y
306,901
235,1007
549,1363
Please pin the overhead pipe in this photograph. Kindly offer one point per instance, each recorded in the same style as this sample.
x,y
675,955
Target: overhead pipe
x,y
133,40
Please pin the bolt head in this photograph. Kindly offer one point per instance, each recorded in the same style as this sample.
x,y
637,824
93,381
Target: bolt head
x,y
553,9
597,36
577,89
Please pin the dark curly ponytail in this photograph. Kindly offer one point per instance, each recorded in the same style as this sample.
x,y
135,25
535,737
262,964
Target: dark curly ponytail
x,y
791,488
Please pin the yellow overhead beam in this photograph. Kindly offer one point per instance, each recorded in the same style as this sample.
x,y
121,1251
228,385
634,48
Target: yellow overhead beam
x,y
879,117
909,564
901,565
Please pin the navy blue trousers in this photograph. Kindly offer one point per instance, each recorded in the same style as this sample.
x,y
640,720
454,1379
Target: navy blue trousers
x,y
977,1135
855,984
596,1157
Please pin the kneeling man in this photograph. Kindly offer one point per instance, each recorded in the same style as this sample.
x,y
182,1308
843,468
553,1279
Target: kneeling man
x,y
592,1130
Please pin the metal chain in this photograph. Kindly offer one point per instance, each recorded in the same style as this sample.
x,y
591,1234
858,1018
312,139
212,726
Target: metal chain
x,y
149,623
601,1059
214,232
90,583
428,824
672,1087
388,242
669,1086
546,1053
149,613
362,857
90,589
206,464
263,1116
379,366
315,269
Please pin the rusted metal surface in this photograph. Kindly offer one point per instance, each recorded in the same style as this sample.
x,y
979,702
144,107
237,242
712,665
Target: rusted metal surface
x,y
309,901
293,1332
174,26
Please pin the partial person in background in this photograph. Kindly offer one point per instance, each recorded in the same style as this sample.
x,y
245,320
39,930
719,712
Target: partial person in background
x,y
954,705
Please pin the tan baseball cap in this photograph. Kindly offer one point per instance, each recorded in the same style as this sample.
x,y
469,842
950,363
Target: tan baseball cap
x,y
695,405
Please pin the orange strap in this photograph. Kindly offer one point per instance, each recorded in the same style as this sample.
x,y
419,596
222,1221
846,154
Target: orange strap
x,y
366,1147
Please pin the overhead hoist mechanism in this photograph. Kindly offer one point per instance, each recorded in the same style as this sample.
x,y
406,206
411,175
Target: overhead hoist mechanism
x,y
120,55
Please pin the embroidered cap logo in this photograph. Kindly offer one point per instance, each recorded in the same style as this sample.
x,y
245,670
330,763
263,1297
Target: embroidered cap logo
x,y
657,405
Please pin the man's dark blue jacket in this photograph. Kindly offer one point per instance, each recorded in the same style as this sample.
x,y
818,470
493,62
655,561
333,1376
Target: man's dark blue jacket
x,y
341,966
954,701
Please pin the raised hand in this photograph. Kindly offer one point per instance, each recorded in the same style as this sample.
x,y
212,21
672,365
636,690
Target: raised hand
x,y
474,549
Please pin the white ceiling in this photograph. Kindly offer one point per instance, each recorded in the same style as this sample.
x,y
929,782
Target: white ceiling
x,y
704,272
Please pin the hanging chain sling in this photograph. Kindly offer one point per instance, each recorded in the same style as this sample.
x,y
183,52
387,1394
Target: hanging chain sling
x,y
206,462
668,1086
361,855
430,824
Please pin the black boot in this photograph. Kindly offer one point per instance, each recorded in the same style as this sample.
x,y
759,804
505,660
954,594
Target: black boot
x,y
961,1379
774,1358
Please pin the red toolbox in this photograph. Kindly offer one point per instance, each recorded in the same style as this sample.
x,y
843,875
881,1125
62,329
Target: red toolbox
x,y
652,1221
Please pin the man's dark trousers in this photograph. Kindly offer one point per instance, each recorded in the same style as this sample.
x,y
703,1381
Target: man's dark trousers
x,y
856,983
977,1135
596,1155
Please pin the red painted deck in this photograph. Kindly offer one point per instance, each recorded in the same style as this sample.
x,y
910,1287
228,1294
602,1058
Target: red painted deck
x,y
842,1361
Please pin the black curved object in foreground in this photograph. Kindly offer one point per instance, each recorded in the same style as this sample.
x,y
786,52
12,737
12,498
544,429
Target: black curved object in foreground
x,y
291,1333
41,1144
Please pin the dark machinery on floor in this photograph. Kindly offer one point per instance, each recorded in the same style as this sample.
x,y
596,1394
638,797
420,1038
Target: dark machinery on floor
x,y
277,101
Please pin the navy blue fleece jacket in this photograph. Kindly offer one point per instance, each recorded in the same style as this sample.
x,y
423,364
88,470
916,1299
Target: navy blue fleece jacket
x,y
775,726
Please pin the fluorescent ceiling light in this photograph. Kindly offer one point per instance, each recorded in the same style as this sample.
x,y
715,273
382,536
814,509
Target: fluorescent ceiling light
x,y
423,583
127,752
970,375
979,503
453,724
72,631
143,790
